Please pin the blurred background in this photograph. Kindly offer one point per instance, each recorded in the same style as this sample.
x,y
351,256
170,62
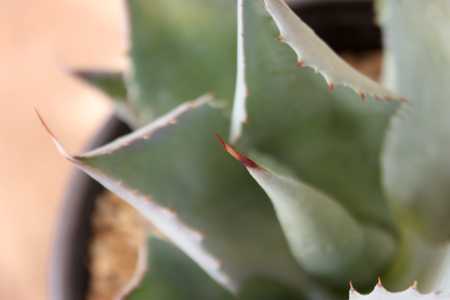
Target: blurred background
x,y
39,40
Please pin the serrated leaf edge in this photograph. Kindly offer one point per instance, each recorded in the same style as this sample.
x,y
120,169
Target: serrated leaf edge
x,y
147,131
186,238
314,53
380,293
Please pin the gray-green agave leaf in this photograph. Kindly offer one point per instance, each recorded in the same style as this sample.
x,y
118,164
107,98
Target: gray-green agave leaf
x,y
174,172
311,52
380,293
331,140
111,83
174,276
324,238
162,217
326,215
416,160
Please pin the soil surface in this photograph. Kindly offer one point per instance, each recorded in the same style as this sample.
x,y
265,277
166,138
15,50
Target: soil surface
x,y
119,233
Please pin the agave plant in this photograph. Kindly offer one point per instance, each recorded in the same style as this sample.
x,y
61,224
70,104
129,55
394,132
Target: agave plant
x,y
331,189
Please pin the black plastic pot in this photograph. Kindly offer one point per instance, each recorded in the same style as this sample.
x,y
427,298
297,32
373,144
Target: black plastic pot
x,y
344,25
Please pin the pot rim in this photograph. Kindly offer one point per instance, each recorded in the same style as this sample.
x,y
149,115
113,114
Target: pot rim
x,y
68,273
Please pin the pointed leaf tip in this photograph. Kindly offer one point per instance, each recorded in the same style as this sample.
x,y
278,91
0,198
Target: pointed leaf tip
x,y
181,234
55,141
379,283
325,239
351,287
247,162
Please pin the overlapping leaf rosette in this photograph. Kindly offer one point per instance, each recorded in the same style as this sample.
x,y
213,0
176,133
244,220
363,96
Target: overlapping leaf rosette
x,y
339,179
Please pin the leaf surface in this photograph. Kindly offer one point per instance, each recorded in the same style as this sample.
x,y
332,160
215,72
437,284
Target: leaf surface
x,y
324,238
173,276
179,50
111,83
330,140
416,168
311,52
174,172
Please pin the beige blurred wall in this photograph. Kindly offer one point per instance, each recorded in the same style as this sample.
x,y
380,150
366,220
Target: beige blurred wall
x,y
39,39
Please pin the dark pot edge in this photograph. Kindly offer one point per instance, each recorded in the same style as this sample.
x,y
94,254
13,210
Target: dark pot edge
x,y
68,265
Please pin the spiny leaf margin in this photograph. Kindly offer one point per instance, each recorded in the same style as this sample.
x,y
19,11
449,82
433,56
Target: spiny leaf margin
x,y
189,240
313,52
380,293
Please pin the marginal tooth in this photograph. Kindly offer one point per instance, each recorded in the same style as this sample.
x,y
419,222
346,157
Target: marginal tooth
x,y
362,95
217,264
300,63
330,86
379,284
197,235
169,213
352,289
247,92
281,39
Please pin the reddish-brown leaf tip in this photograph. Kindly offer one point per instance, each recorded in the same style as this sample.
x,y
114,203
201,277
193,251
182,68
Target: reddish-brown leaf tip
x,y
330,86
58,145
41,120
362,95
247,162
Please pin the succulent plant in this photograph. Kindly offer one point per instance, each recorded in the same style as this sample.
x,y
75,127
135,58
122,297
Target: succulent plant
x,y
331,189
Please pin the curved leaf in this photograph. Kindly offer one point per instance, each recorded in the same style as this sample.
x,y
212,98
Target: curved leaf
x,y
311,52
331,140
163,218
324,238
175,174
416,158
